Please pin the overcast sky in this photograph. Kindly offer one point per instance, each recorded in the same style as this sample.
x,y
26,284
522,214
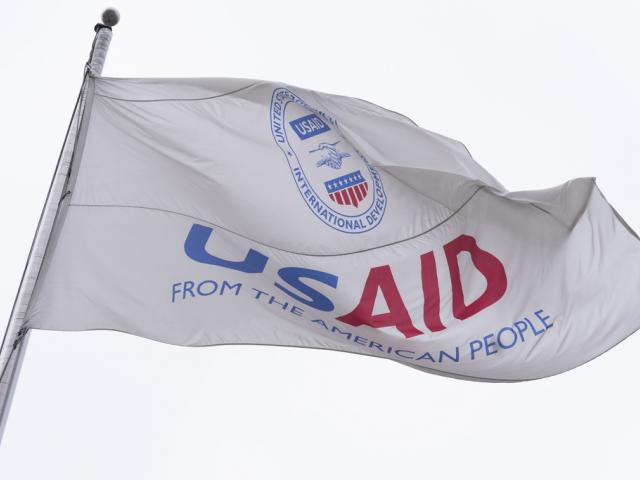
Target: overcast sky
x,y
540,92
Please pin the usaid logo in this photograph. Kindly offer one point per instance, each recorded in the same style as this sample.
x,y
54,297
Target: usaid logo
x,y
309,126
335,181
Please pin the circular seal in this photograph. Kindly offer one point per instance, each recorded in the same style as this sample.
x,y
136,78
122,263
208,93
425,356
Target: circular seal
x,y
335,180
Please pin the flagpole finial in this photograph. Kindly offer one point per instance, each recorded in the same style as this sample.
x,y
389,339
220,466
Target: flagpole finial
x,y
110,17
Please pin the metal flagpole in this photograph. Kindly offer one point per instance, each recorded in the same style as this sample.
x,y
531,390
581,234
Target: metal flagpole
x,y
16,335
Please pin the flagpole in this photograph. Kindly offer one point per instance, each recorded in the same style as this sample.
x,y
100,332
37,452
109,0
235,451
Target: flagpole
x,y
16,336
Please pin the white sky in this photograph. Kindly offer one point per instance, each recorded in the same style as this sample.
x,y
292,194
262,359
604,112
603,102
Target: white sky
x,y
540,92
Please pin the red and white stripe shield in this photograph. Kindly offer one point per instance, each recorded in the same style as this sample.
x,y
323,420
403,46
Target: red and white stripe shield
x,y
349,189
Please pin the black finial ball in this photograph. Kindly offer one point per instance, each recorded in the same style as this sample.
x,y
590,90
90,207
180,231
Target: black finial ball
x,y
110,17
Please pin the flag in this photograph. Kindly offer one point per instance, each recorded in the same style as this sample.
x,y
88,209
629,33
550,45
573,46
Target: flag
x,y
225,211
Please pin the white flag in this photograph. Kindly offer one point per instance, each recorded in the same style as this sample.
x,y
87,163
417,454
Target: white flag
x,y
220,211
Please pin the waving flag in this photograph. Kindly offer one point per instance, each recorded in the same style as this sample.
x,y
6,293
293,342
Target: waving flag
x,y
221,211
